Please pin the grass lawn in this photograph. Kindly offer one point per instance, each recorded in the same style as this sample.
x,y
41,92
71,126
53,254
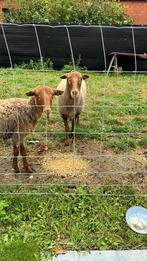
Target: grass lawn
x,y
116,106
63,218
59,220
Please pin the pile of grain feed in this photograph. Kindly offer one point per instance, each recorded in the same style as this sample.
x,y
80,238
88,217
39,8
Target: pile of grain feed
x,y
65,164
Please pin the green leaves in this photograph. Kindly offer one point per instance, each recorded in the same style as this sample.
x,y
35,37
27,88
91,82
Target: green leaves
x,y
3,205
17,250
68,11
87,219
46,64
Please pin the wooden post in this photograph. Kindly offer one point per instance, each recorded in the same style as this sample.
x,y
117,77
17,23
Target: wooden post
x,y
110,65
115,63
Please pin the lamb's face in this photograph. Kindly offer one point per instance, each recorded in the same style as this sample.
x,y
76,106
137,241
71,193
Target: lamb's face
x,y
74,81
43,98
74,85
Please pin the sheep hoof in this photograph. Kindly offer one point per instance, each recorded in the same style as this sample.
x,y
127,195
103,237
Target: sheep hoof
x,y
28,170
16,170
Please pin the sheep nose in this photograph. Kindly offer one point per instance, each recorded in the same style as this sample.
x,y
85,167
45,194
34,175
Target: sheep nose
x,y
47,112
74,93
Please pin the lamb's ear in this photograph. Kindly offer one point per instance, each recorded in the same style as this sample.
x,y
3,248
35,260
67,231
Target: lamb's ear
x,y
63,77
57,92
85,76
31,93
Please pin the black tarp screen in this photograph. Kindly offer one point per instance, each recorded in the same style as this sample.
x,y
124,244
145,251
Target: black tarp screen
x,y
92,43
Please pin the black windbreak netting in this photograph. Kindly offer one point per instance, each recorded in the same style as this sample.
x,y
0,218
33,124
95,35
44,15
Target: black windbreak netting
x,y
92,44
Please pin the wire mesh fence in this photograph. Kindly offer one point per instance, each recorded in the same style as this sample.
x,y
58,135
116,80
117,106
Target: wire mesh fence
x,y
113,124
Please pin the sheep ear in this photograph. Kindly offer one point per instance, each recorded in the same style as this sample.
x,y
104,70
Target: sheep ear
x,y
63,77
85,76
57,92
31,93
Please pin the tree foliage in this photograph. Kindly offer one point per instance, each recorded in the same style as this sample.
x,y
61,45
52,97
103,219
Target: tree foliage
x,y
68,11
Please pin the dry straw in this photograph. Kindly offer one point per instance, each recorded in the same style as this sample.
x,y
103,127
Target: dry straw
x,y
65,164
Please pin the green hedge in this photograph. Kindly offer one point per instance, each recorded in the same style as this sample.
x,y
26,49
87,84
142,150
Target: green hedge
x,y
68,11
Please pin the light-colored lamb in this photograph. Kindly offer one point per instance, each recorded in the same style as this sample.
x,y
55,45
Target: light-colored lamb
x,y
19,117
71,102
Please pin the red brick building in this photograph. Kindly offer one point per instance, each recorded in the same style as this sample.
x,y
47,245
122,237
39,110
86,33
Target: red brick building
x,y
137,9
6,4
1,4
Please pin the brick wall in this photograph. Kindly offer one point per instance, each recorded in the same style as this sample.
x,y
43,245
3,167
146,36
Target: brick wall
x,y
8,5
137,10
1,4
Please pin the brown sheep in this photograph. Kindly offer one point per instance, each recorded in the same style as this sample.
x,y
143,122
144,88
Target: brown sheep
x,y
71,102
19,117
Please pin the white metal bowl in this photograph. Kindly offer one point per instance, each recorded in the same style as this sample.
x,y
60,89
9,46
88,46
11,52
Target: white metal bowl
x,y
136,218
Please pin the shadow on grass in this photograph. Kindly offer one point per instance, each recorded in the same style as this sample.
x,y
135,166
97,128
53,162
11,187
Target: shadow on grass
x,y
19,251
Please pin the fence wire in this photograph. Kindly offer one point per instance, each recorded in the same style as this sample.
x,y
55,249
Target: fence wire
x,y
101,154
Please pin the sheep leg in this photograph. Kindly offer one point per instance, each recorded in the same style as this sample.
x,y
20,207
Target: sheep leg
x,y
25,163
66,141
15,162
72,127
77,120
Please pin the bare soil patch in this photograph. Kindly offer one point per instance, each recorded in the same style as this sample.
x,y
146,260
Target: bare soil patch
x,y
91,164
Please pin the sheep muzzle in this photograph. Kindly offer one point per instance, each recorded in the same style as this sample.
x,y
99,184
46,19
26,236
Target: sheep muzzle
x,y
47,112
74,94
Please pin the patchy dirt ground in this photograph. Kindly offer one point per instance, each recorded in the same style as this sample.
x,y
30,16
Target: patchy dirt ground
x,y
105,166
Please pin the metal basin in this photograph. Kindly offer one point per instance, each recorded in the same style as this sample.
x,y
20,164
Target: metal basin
x,y
136,218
